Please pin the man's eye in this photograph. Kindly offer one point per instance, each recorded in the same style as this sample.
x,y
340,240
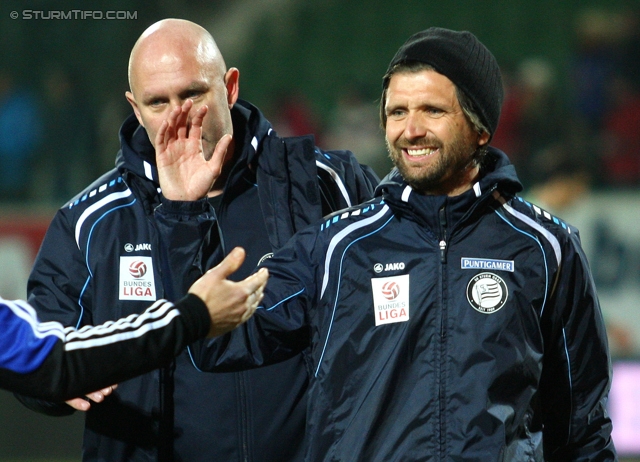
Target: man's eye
x,y
192,94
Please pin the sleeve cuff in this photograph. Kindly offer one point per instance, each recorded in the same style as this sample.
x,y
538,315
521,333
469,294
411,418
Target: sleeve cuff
x,y
196,316
185,207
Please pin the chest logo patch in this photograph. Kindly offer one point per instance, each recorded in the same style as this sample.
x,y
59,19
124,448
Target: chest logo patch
x,y
136,279
390,299
487,293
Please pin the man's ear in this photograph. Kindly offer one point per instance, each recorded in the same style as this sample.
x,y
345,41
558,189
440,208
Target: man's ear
x,y
232,83
134,105
483,138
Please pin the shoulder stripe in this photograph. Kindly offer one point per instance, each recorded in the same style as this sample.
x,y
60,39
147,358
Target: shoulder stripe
x,y
340,236
335,302
550,237
101,203
337,179
544,254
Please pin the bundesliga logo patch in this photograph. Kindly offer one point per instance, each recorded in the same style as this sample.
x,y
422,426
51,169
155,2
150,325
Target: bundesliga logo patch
x,y
136,279
390,299
487,293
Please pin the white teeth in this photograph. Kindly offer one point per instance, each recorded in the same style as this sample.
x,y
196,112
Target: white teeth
x,y
420,152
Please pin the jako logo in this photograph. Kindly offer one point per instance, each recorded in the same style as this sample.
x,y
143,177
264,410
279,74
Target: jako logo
x,y
390,290
137,269
394,266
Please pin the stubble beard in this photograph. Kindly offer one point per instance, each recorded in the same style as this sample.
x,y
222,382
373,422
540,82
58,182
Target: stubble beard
x,y
453,160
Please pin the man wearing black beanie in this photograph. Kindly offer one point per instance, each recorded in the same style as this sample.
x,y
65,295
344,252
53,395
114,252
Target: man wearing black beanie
x,y
448,318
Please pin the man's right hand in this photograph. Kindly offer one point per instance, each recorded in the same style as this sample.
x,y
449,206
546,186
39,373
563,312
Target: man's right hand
x,y
230,303
183,172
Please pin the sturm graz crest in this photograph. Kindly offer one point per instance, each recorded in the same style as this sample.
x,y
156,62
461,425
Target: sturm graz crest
x,y
487,293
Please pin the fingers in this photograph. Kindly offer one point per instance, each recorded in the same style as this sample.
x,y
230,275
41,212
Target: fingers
x,y
256,296
161,136
176,126
257,281
255,284
196,122
108,390
84,404
220,151
195,132
182,119
79,404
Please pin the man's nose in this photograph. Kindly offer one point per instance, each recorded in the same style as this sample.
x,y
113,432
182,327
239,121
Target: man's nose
x,y
416,126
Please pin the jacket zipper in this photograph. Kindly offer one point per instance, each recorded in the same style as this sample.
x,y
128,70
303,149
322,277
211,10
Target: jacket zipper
x,y
443,350
166,384
443,235
240,376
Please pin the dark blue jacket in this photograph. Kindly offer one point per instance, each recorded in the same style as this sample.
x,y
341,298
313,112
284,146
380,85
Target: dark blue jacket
x,y
82,275
441,328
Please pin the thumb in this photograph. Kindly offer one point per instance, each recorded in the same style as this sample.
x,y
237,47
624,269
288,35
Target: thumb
x,y
231,262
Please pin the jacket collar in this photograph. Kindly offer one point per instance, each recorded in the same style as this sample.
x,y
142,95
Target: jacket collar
x,y
497,174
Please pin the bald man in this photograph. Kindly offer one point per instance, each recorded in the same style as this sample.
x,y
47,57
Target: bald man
x,y
140,233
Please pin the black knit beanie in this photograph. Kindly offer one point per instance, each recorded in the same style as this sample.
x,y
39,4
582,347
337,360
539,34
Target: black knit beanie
x,y
462,59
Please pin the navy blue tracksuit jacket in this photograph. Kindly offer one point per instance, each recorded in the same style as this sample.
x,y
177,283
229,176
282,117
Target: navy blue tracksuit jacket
x,y
440,328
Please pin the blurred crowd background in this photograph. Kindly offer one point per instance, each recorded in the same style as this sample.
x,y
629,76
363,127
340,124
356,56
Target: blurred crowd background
x,y
570,121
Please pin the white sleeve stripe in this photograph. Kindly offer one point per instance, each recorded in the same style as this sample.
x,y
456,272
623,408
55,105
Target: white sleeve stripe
x,y
114,338
340,236
337,179
102,202
550,237
131,322
159,315
26,312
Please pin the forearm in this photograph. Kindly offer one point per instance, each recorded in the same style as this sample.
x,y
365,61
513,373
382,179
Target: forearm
x,y
95,357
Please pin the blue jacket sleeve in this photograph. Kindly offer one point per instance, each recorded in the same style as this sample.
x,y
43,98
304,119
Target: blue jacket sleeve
x,y
185,232
577,368
281,326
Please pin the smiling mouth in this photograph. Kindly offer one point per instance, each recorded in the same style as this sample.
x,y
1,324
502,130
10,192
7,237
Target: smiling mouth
x,y
419,152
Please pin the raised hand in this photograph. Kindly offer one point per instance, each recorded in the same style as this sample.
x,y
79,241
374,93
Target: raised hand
x,y
183,171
